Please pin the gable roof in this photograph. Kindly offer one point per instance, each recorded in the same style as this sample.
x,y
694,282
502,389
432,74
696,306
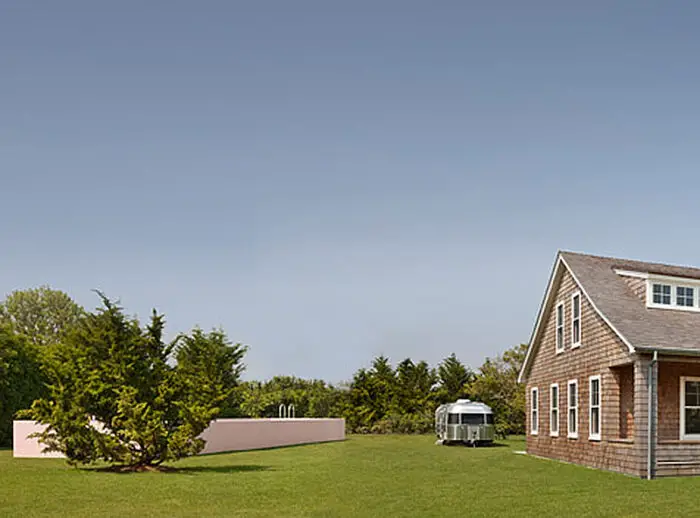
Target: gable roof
x,y
637,326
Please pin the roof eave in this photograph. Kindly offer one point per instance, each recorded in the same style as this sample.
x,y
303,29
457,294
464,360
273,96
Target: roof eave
x,y
675,351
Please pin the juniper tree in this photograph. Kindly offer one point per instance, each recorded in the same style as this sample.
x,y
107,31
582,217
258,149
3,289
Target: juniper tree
x,y
116,396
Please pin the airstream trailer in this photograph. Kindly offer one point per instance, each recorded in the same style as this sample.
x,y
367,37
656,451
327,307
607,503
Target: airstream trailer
x,y
464,421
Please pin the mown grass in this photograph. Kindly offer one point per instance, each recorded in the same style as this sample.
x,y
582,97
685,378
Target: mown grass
x,y
363,476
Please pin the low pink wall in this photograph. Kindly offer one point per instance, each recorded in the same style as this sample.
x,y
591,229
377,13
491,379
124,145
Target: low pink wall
x,y
252,434
222,435
25,446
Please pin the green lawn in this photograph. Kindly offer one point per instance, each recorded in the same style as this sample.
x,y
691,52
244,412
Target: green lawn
x,y
363,476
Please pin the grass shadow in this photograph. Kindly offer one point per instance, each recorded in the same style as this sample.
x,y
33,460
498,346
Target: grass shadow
x,y
238,468
479,447
271,448
184,470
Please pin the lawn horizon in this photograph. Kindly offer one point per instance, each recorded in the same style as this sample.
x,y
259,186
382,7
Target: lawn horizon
x,y
390,475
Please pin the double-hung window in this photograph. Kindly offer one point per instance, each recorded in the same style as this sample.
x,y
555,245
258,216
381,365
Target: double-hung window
x,y
594,408
572,409
690,408
560,327
554,410
534,411
576,320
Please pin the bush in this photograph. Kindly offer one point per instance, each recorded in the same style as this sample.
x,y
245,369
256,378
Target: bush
x,y
419,423
21,379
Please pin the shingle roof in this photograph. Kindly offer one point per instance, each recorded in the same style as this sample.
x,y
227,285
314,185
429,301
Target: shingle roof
x,y
642,327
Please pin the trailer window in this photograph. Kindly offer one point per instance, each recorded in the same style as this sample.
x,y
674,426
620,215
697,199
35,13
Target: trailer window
x,y
489,418
472,418
453,419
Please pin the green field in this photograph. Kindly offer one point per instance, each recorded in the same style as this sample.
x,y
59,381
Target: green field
x,y
363,476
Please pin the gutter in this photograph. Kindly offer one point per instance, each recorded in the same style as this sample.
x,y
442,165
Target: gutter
x,y
679,351
651,428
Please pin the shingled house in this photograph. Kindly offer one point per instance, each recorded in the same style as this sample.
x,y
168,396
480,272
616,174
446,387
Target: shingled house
x,y
612,372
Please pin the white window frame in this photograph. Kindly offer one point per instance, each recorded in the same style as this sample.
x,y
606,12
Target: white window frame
x,y
558,326
534,411
674,283
554,407
575,343
569,433
595,436
686,436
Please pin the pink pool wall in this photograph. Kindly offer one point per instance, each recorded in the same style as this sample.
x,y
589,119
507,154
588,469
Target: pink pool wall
x,y
222,435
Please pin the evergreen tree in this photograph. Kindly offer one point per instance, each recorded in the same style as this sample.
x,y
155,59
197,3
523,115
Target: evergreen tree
x,y
114,395
453,378
212,367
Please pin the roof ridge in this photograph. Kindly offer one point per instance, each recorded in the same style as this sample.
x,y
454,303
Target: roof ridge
x,y
627,260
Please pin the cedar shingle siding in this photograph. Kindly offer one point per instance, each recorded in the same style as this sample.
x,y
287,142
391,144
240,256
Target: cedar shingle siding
x,y
599,349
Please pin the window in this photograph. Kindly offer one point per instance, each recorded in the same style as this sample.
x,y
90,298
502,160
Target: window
x,y
594,408
453,419
690,408
572,399
534,411
662,294
472,418
560,327
685,296
673,293
576,320
554,410
489,418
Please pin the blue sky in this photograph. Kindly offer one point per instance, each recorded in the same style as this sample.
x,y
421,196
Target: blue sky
x,y
331,181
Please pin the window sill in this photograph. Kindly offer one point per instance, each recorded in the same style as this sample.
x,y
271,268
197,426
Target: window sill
x,y
691,440
692,309
560,351
594,439
622,440
572,436
576,346
554,434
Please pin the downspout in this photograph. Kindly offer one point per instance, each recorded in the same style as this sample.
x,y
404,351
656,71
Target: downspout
x,y
651,429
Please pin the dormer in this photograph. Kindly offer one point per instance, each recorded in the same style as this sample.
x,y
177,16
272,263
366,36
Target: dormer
x,y
664,291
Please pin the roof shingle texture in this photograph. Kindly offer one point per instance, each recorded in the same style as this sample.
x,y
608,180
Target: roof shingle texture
x,y
642,327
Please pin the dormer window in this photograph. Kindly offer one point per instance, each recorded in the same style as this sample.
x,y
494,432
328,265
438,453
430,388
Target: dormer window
x,y
670,293
662,294
685,296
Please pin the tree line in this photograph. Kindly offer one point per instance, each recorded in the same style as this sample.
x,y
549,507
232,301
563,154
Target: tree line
x,y
67,367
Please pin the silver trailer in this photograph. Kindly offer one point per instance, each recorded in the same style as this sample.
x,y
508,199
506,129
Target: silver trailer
x,y
464,421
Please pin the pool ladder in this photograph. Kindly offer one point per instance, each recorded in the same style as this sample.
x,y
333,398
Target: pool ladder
x,y
287,411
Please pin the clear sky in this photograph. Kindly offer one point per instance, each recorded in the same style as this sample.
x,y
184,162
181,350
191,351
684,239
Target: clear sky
x,y
330,181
